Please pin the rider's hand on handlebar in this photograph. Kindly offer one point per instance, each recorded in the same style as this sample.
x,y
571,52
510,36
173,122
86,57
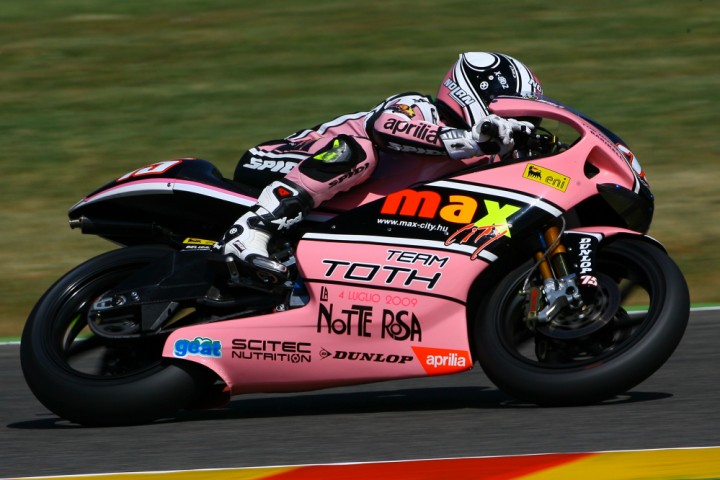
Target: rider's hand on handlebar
x,y
494,129
491,135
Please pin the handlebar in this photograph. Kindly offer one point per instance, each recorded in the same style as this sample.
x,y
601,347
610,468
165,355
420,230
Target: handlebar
x,y
539,142
489,129
520,137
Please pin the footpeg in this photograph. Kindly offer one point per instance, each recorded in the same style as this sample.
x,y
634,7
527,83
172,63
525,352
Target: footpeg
x,y
267,266
257,272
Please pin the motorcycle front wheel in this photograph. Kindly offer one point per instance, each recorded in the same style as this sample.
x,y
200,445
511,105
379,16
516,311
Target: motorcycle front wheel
x,y
543,369
92,380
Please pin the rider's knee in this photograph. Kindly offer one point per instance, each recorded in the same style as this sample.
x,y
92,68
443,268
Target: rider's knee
x,y
340,155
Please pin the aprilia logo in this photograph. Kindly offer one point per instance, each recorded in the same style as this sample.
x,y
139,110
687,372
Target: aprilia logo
x,y
441,361
423,131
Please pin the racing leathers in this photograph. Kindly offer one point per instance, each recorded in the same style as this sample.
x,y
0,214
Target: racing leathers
x,y
337,155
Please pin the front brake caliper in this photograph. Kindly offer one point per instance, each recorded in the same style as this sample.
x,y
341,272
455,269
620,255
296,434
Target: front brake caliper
x,y
559,294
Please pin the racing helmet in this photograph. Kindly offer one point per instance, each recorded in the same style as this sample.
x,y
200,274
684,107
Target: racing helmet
x,y
477,78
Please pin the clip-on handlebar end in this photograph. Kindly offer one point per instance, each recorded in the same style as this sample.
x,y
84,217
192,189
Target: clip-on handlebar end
x,y
489,129
520,137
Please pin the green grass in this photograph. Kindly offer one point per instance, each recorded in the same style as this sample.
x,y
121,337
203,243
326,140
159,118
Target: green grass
x,y
92,89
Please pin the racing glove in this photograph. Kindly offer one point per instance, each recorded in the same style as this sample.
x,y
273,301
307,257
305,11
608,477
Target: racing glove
x,y
491,135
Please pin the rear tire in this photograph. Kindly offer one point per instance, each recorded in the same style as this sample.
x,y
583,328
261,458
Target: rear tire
x,y
601,365
91,380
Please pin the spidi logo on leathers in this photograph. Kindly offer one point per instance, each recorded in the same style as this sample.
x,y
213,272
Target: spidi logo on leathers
x,y
441,361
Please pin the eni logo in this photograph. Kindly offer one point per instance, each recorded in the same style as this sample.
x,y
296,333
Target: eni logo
x,y
556,180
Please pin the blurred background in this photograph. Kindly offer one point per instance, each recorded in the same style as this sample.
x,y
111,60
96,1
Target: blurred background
x,y
92,89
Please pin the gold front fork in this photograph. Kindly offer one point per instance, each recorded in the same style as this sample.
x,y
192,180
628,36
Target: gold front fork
x,y
554,263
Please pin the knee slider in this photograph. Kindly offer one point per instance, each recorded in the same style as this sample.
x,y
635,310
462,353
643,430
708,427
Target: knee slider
x,y
339,156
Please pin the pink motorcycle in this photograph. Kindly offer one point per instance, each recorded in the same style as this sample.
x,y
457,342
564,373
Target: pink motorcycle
x,y
527,266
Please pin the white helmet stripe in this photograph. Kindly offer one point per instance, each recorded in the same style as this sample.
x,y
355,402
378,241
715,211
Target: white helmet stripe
x,y
476,110
525,77
527,83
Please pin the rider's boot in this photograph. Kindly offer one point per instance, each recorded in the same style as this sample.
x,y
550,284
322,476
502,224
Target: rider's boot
x,y
281,205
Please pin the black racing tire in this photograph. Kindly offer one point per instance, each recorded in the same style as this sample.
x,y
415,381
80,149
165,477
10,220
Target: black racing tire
x,y
617,358
89,380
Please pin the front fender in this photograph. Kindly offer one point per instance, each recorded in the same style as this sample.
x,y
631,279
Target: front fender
x,y
583,243
605,234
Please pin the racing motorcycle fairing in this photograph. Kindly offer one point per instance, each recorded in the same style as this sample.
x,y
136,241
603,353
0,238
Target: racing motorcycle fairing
x,y
583,244
164,201
417,247
388,267
386,309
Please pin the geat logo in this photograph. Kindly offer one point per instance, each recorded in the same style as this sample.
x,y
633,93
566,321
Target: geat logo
x,y
556,180
201,347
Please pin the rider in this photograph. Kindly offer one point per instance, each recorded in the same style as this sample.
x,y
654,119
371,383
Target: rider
x,y
338,155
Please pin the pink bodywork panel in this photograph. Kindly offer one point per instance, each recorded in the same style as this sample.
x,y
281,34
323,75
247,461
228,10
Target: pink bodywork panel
x,y
375,312
381,311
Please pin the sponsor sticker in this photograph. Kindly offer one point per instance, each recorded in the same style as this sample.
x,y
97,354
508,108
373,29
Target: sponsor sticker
x,y
282,166
358,320
198,242
199,347
543,175
486,230
406,110
372,273
271,350
364,356
430,204
153,169
441,361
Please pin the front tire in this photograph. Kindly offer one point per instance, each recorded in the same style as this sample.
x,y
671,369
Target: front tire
x,y
631,347
92,380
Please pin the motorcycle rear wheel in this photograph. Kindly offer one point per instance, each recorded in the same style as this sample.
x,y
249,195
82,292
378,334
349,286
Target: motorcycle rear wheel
x,y
631,347
91,380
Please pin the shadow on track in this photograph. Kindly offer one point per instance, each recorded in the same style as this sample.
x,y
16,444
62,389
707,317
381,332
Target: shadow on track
x,y
402,400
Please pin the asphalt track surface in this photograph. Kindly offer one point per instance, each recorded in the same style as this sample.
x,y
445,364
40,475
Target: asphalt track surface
x,y
454,416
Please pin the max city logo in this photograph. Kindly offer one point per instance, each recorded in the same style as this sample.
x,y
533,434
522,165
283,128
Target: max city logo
x,y
487,230
454,209
460,209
